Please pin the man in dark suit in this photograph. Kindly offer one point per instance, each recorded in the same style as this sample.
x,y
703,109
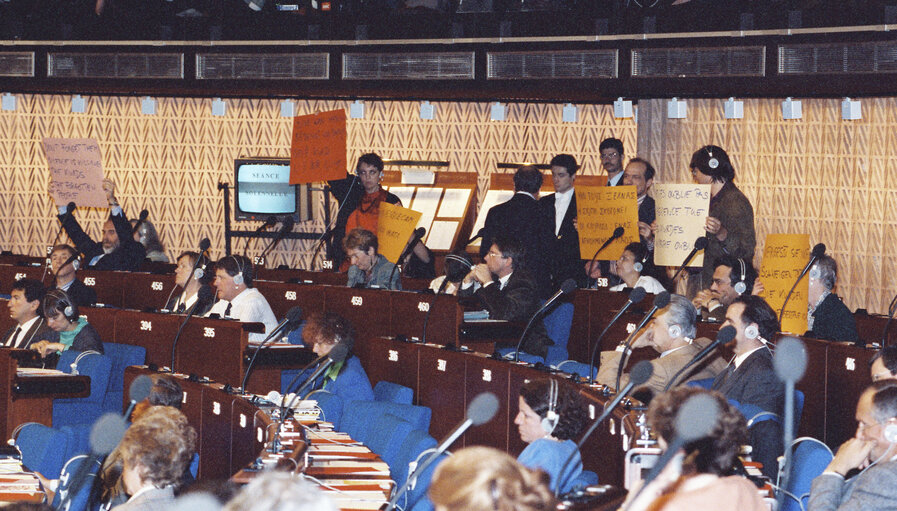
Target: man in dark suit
x,y
508,291
25,308
829,319
611,150
118,250
522,218
640,174
750,378
65,268
873,449
560,209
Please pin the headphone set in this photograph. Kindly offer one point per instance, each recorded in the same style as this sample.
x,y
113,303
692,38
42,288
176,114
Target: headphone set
x,y
200,270
551,419
674,330
712,162
238,278
640,265
741,286
890,433
460,260
68,308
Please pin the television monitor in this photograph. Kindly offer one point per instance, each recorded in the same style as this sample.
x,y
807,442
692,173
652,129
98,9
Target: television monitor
x,y
262,188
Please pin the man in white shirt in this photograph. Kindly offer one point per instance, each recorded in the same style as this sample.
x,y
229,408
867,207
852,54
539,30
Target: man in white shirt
x,y
24,307
238,299
560,209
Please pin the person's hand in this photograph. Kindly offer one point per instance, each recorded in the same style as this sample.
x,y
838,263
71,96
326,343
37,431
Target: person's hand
x,y
109,188
703,298
593,269
715,226
852,454
645,339
47,347
481,274
575,224
645,230
758,287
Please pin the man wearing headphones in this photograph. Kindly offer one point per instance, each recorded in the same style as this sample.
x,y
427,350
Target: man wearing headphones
x,y
238,299
732,277
672,334
873,450
827,318
64,263
750,378
25,308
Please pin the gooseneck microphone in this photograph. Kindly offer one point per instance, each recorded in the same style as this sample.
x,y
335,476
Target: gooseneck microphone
x,y
291,321
618,232
700,244
138,391
724,336
641,372
140,220
567,287
416,236
660,301
818,251
271,221
635,296
481,410
204,294
285,227
69,209
789,362
204,245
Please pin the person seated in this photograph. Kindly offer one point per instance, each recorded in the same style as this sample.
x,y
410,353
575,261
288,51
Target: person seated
x,y
147,236
369,269
672,334
507,291
280,491
155,452
234,277
731,278
118,250
551,415
346,379
25,308
883,365
65,269
190,284
68,329
827,316
457,266
486,479
630,266
699,476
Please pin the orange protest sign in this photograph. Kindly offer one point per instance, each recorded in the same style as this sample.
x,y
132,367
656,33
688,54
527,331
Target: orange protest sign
x,y
784,257
599,211
682,211
76,171
318,148
394,229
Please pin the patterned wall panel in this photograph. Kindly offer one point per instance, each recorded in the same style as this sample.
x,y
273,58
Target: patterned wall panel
x,y
170,163
820,175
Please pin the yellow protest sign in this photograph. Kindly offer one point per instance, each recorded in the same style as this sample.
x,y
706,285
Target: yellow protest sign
x,y
394,229
784,257
682,211
599,211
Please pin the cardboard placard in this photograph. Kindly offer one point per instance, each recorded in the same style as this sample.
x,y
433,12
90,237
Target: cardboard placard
x,y
682,211
784,257
76,171
318,148
394,229
600,210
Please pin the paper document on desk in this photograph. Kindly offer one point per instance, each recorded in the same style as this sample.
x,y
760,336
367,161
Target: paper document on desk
x,y
37,371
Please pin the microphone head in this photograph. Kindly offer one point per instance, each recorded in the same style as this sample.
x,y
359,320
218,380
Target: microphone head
x,y
701,243
790,359
697,417
204,245
338,353
725,334
140,388
637,294
619,231
482,408
287,224
818,250
662,299
294,314
70,208
568,286
270,221
107,432
420,232
641,372
143,215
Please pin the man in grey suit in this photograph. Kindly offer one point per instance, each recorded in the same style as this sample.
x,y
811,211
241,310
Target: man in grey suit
x,y
873,449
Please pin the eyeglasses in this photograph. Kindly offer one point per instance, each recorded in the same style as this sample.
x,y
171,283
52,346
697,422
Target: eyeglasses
x,y
610,156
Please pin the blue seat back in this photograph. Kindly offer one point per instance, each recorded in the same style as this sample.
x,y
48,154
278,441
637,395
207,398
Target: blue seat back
x,y
358,416
417,498
810,459
123,356
557,323
414,444
43,448
87,409
81,500
331,406
385,437
393,393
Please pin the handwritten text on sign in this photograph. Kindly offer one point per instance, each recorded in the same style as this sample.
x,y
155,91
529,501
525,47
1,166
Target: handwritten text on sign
x,y
394,228
599,211
76,171
682,211
318,148
784,257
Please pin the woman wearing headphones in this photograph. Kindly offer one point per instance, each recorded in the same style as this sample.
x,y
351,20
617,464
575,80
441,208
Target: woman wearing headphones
x,y
630,266
551,415
69,331
191,284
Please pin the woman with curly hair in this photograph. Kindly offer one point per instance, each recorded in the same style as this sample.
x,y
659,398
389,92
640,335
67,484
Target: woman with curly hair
x,y
551,416
347,379
486,479
701,476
